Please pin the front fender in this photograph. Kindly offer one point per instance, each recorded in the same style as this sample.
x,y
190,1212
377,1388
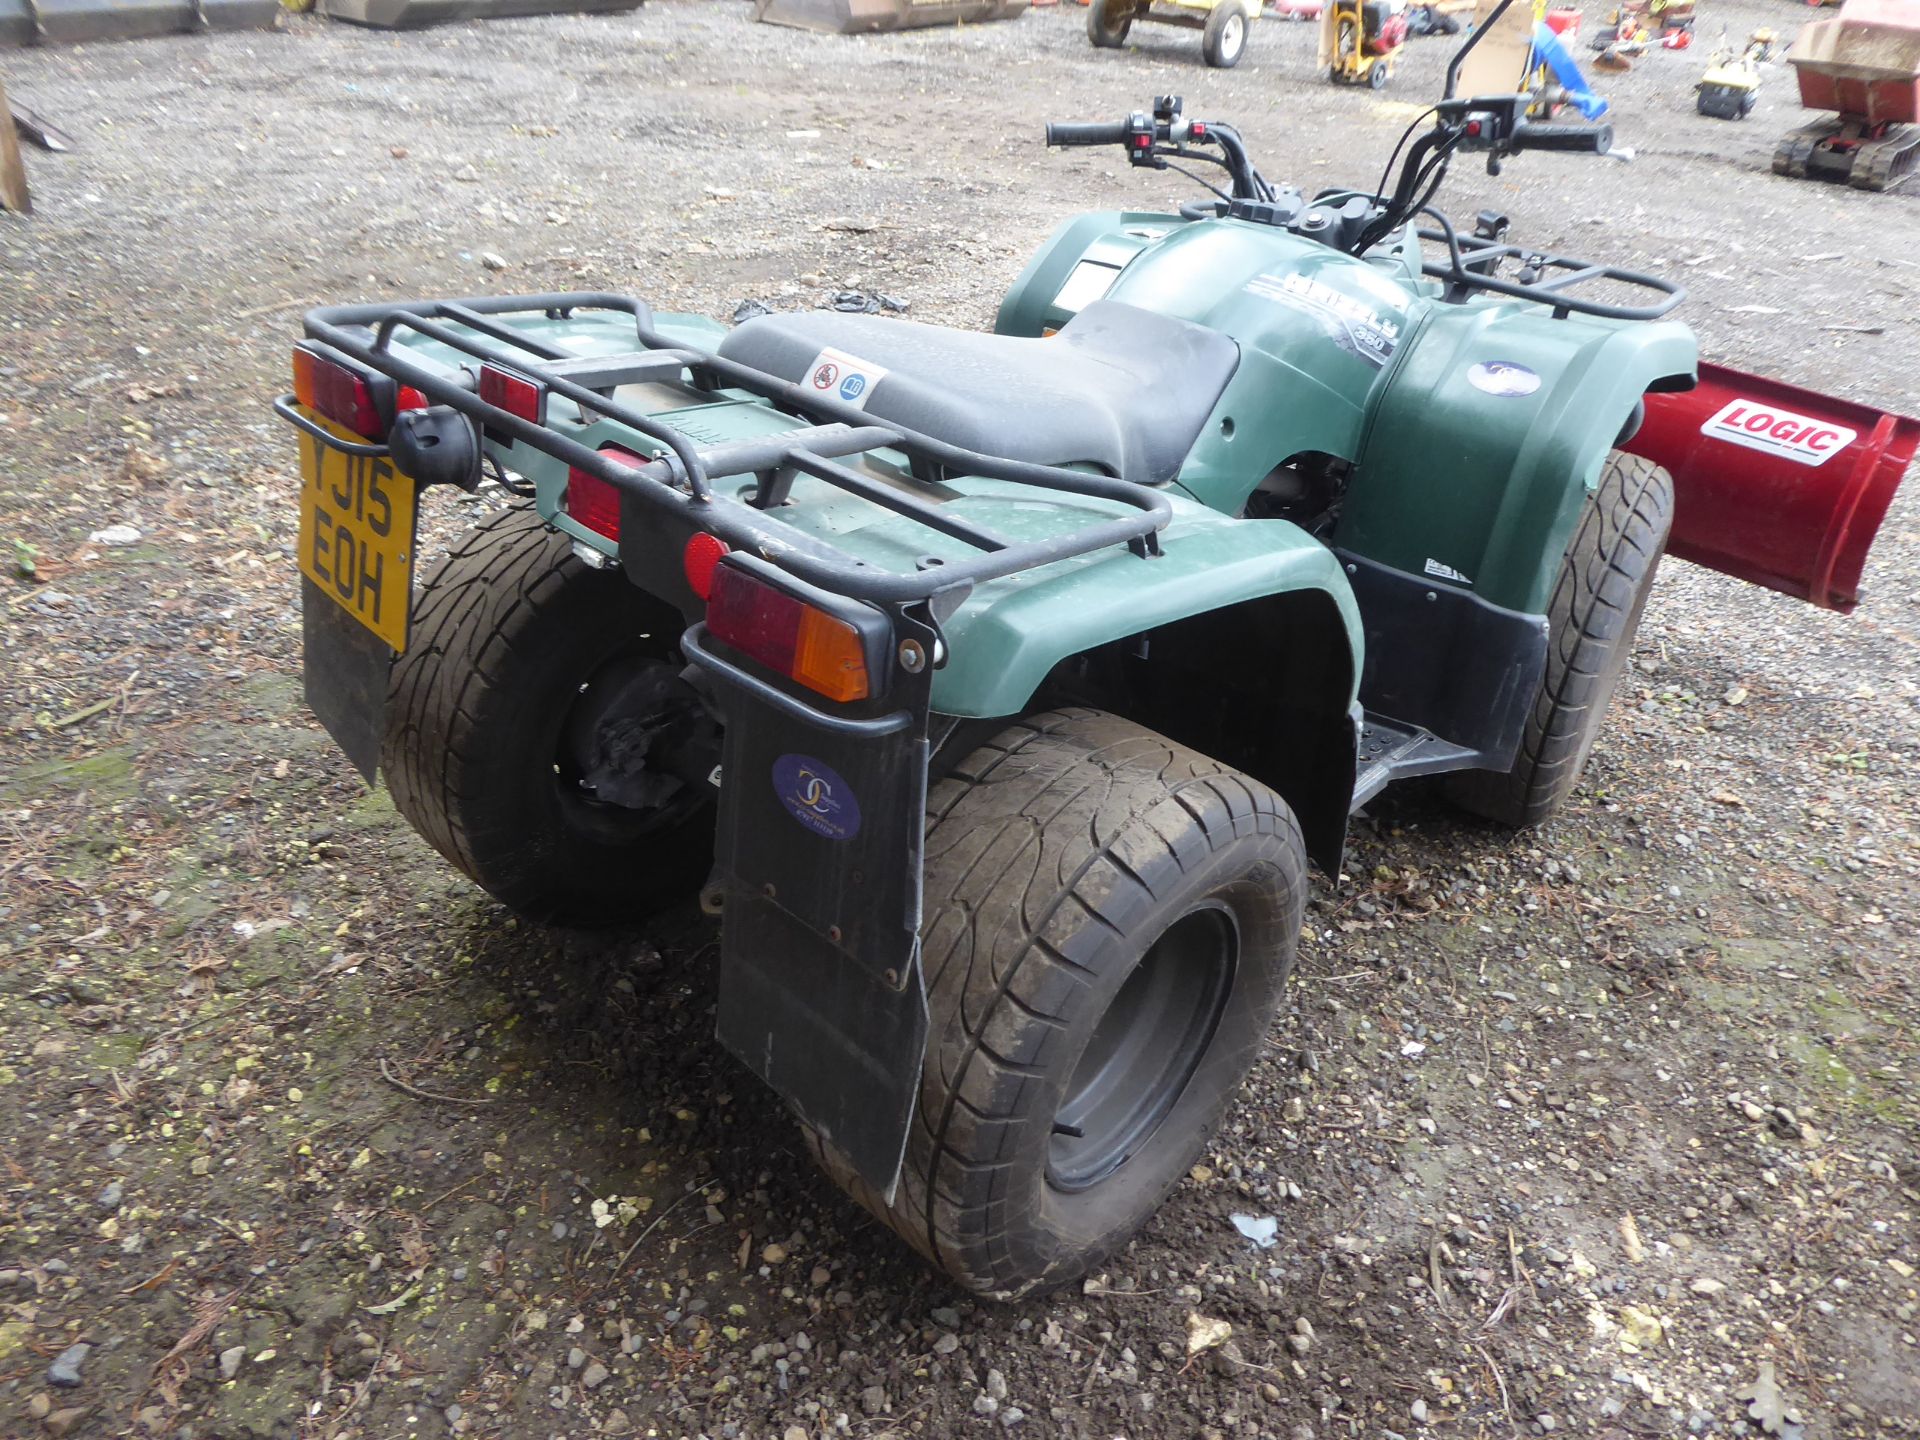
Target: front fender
x,y
1468,476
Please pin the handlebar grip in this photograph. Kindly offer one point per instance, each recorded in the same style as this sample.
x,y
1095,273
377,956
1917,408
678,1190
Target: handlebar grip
x,y
1073,132
1538,135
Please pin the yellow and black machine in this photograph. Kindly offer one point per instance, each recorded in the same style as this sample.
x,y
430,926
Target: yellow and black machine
x,y
1361,40
1224,24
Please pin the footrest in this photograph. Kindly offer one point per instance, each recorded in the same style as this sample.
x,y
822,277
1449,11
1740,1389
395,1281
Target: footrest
x,y
1390,751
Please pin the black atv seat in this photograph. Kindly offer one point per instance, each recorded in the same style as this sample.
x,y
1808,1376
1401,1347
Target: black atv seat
x,y
1119,387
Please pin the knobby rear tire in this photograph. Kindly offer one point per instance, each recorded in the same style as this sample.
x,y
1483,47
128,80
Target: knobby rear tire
x,y
506,630
1057,855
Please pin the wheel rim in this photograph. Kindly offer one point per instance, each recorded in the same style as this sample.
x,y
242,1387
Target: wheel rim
x,y
622,760
1233,35
1144,1049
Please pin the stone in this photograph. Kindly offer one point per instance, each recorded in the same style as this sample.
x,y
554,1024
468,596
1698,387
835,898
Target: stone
x,y
1012,1416
39,1407
942,1315
946,1344
576,1357
873,1399
65,1371
110,1196
231,1360
62,1421
996,1385
594,1376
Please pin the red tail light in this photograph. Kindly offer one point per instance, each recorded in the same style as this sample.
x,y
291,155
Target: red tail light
x,y
363,401
595,503
787,635
514,394
699,559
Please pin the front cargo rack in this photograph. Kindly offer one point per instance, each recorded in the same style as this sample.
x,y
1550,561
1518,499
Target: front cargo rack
x,y
680,479
1471,263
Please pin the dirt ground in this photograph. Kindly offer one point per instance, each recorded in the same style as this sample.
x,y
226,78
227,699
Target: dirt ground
x,y
1575,1132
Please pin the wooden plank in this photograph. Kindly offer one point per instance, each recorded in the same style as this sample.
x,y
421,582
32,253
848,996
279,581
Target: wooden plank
x,y
38,129
1498,64
13,174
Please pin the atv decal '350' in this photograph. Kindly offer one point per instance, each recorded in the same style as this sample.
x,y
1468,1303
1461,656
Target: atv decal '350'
x,y
847,378
1357,326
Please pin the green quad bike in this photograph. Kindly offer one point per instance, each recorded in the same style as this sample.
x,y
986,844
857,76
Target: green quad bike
x,y
997,690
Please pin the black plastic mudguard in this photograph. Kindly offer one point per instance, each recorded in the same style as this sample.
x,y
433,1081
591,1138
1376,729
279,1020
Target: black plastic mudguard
x,y
346,667
819,856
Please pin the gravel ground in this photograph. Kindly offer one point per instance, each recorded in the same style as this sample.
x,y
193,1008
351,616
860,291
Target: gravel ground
x,y
1578,1132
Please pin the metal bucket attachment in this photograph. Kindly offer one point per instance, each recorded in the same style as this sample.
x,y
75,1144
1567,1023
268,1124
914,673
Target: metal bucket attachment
x,y
413,14
1774,484
37,22
857,17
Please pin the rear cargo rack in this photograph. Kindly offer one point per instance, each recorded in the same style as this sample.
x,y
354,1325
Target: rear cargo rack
x,y
680,480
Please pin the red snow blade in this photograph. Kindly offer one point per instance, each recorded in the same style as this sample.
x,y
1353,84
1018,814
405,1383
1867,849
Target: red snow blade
x,y
1774,484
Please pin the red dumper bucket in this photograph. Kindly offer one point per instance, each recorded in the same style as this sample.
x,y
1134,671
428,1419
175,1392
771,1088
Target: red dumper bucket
x,y
1866,62
1775,484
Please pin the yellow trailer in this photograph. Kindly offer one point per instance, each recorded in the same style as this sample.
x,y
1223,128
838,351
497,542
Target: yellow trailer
x,y
1224,24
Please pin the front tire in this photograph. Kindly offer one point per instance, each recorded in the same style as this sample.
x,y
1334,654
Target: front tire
x,y
1108,22
1224,40
1597,602
1111,918
512,743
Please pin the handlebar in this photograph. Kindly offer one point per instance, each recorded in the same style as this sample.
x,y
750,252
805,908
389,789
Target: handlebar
x,y
1542,135
1097,132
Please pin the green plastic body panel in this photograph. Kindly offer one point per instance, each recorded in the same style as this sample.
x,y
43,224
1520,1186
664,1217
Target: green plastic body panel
x,y
1010,632
1485,486
1490,486
1318,331
1110,238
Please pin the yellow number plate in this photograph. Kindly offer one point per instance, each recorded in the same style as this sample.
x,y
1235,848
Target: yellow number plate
x,y
356,533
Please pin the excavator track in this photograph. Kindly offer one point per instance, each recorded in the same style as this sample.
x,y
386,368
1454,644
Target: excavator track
x,y
1794,154
1883,164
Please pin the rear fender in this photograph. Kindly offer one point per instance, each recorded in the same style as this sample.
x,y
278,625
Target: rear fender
x,y
1241,639
1776,485
1490,436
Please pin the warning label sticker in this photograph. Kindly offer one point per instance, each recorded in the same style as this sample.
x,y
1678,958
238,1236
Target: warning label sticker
x,y
847,378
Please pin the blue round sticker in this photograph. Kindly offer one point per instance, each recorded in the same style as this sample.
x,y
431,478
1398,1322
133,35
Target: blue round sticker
x,y
1504,378
816,795
851,387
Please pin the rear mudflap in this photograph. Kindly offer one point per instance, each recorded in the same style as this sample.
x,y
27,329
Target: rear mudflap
x,y
345,671
818,875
